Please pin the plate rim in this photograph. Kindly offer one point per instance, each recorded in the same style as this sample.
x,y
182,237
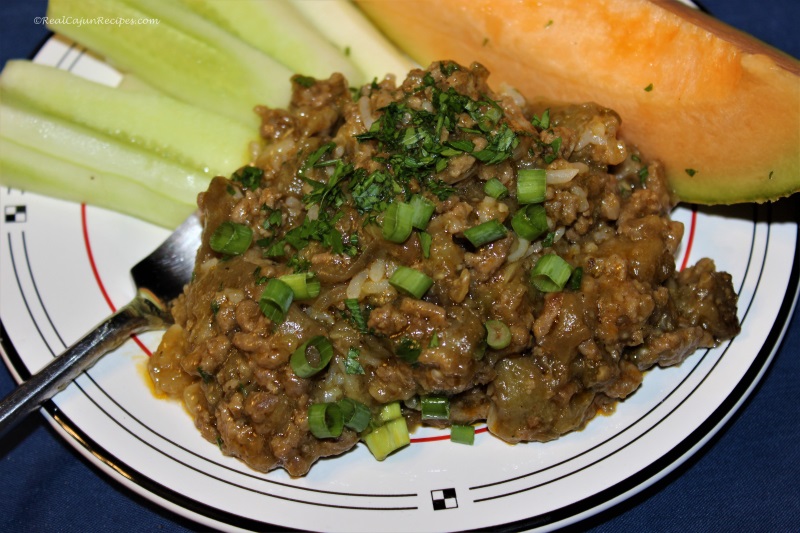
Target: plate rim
x,y
692,446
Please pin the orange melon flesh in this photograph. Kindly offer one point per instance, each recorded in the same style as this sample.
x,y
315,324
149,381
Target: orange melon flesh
x,y
692,92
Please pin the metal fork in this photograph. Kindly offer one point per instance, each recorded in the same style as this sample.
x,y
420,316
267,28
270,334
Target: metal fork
x,y
159,278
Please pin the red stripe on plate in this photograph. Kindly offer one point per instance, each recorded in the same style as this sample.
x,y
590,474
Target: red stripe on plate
x,y
690,241
483,429
100,285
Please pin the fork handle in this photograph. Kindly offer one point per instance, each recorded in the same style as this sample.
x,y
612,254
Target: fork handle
x,y
143,313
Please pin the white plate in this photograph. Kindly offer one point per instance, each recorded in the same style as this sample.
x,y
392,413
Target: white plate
x,y
59,257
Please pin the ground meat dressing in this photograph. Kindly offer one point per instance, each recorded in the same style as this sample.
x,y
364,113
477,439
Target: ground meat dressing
x,y
317,200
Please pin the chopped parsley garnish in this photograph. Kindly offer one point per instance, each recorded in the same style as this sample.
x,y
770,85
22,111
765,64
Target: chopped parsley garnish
x,y
260,278
649,88
373,192
439,188
448,67
272,219
329,194
542,123
413,145
205,376
408,350
413,148
350,244
249,177
320,230
304,81
315,156
434,342
500,146
643,172
298,264
575,279
356,315
351,362
555,146
691,172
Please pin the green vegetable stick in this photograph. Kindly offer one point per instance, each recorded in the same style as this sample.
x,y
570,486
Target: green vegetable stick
x,y
171,129
179,53
345,26
278,30
80,146
28,169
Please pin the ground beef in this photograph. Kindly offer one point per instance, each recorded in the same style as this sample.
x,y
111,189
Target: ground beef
x,y
330,167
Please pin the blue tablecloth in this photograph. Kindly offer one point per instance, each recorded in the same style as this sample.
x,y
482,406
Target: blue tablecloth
x,y
746,479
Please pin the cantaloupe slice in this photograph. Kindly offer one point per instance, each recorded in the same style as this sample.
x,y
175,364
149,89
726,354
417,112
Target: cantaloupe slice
x,y
720,109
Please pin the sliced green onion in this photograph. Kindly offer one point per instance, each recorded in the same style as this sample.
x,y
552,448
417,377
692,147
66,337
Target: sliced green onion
x,y
531,185
231,238
495,188
410,281
425,243
550,273
462,434
397,222
498,336
304,285
355,414
422,211
387,438
485,233
390,411
530,222
325,420
435,408
311,357
275,300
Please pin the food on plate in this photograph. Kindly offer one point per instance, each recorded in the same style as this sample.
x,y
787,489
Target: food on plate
x,y
430,253
718,108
